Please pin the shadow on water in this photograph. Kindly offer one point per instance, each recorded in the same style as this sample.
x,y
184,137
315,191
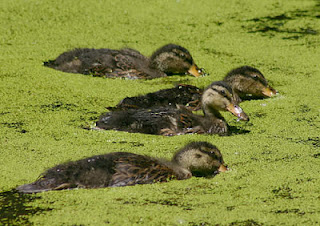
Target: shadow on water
x,y
234,130
15,208
270,25
18,126
133,144
249,222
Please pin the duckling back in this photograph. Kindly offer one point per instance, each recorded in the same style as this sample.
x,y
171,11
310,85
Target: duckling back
x,y
82,60
110,170
91,172
123,63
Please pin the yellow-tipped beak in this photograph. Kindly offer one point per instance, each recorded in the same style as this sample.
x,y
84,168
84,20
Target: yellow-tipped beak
x,y
195,71
269,92
222,168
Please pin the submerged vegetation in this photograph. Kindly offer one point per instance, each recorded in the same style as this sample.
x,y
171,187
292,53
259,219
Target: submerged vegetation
x,y
275,169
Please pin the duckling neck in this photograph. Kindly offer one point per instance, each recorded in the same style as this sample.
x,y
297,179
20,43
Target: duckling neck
x,y
212,113
237,86
156,65
180,172
234,82
155,70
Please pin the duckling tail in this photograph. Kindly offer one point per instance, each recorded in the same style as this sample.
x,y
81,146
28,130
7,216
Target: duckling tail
x,y
50,63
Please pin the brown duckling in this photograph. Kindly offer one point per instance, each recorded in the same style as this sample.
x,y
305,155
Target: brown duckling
x,y
249,83
178,120
124,169
127,63
186,95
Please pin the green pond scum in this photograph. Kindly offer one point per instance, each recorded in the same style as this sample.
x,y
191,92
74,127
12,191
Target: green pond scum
x,y
275,164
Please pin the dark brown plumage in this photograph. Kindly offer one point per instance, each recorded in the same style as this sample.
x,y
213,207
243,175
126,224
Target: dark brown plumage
x,y
249,83
186,95
125,169
127,63
178,120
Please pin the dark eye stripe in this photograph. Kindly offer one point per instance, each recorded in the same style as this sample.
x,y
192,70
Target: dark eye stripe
x,y
247,71
257,78
184,54
211,153
224,94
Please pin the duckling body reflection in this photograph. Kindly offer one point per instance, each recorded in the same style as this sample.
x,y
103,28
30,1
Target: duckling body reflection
x,y
178,120
127,63
125,169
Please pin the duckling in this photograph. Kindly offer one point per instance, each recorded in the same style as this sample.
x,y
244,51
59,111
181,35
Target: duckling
x,y
248,83
127,63
178,120
182,94
125,169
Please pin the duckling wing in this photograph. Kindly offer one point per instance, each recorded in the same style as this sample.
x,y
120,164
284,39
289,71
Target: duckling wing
x,y
138,169
112,63
124,63
167,121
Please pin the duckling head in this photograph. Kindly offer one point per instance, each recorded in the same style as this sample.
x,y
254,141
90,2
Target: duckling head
x,y
249,81
219,97
201,159
174,59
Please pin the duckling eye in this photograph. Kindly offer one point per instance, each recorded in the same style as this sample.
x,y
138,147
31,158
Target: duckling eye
x,y
213,154
182,54
223,92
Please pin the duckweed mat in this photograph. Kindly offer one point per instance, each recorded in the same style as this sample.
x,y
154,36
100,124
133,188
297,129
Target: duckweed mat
x,y
275,164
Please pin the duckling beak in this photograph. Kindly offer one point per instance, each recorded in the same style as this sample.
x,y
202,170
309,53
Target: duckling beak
x,y
237,111
269,92
195,71
222,168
